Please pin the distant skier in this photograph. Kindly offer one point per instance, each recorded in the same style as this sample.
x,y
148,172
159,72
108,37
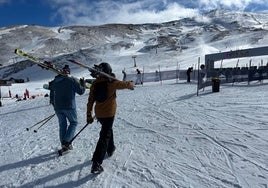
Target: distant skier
x,y
138,79
124,75
202,76
188,72
103,95
27,94
202,73
62,96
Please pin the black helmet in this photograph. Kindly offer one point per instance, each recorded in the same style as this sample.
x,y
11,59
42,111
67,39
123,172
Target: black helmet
x,y
105,67
66,69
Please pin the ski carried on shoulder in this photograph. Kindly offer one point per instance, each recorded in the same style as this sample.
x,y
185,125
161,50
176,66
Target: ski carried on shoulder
x,y
44,65
94,71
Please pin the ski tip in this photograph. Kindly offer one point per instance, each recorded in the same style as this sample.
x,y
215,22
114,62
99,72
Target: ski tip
x,y
71,60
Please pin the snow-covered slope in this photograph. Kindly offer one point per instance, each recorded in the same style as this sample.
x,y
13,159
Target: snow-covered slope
x,y
218,30
166,136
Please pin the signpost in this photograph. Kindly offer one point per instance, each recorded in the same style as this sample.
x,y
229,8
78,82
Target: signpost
x,y
3,83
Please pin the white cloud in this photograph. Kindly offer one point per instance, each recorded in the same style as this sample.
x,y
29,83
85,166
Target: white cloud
x,y
147,11
230,4
171,12
84,12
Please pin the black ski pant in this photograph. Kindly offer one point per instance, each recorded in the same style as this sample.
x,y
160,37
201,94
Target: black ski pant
x,y
188,78
106,139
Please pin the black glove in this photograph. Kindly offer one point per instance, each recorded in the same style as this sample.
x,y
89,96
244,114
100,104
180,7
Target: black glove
x,y
90,119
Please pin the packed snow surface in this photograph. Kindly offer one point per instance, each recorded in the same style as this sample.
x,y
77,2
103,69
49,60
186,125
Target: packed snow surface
x,y
165,136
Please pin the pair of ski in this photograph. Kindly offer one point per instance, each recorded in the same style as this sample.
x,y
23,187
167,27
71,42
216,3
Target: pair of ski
x,y
48,66
44,65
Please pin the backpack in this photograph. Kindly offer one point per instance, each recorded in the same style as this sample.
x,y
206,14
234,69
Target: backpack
x,y
100,91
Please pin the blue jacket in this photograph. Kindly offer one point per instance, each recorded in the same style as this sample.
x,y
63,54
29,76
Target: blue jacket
x,y
63,90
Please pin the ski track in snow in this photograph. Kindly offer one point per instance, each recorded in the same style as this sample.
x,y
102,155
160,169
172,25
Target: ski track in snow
x,y
165,136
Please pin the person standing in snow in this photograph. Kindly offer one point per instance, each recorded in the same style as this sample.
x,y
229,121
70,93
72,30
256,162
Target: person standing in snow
x,y
138,79
124,75
27,94
62,96
202,76
188,72
202,73
103,95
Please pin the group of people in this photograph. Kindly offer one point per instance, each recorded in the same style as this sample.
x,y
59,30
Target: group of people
x,y
101,106
138,77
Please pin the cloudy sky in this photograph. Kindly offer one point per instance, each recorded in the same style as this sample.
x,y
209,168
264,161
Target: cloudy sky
x,y
97,12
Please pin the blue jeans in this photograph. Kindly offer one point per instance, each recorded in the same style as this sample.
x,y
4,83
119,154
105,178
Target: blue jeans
x,y
66,132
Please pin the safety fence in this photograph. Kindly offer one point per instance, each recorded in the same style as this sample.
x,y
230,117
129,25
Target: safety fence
x,y
160,76
204,77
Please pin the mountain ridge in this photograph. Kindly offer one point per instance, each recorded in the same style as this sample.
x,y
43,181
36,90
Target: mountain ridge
x,y
217,30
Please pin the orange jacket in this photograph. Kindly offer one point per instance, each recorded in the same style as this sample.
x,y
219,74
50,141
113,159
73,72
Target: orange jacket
x,y
108,107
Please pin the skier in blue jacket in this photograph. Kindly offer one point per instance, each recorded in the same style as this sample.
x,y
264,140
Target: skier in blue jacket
x,y
62,96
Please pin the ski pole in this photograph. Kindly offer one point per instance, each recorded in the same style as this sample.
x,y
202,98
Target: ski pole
x,y
61,151
78,133
39,122
49,118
